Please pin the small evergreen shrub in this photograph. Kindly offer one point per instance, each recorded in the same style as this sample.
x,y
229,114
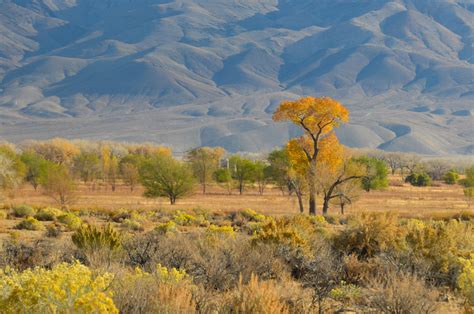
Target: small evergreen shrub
x,y
418,179
91,238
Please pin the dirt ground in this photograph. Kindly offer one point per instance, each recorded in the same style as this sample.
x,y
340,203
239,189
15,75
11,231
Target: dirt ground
x,y
402,198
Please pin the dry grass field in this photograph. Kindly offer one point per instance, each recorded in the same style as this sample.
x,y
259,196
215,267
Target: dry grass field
x,y
402,198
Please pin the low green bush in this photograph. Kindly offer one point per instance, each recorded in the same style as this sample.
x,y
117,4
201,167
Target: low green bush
x,y
418,179
23,211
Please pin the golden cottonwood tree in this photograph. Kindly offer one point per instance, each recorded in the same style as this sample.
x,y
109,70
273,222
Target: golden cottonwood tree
x,y
317,117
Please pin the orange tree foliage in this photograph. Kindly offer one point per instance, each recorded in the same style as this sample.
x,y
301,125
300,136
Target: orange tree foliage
x,y
329,158
317,117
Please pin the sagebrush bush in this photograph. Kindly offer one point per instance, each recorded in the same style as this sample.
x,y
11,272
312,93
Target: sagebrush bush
x,y
131,224
369,234
400,293
66,288
23,211
29,223
161,291
54,230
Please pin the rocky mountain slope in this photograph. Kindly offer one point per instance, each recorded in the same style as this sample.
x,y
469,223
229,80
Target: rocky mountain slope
x,y
211,72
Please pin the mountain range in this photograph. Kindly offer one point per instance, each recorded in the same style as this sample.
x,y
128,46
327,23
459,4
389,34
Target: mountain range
x,y
187,73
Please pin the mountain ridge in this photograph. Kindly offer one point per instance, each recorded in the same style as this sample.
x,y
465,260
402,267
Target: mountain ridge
x,y
193,72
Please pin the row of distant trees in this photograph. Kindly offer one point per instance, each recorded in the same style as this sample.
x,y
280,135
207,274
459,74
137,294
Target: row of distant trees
x,y
57,165
312,164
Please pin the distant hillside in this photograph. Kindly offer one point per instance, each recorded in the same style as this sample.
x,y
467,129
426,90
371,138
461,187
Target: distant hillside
x,y
211,72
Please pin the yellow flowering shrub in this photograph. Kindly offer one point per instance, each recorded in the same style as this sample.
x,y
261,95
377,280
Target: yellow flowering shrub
x,y
166,227
279,231
70,220
252,215
29,223
48,214
172,275
225,231
466,279
66,288
184,219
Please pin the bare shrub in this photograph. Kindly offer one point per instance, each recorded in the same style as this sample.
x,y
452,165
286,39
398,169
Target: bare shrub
x,y
20,256
161,291
255,297
400,293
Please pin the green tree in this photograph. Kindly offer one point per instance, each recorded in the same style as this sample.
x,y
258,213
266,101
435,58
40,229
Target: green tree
x,y
451,177
166,176
243,171
377,173
58,183
281,172
87,166
130,174
223,177
36,165
262,175
204,162
278,169
468,181
469,195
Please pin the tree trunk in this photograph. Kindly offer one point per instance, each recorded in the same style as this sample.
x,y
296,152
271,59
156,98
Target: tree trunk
x,y
342,208
312,189
204,186
312,202
326,205
241,187
300,202
172,199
